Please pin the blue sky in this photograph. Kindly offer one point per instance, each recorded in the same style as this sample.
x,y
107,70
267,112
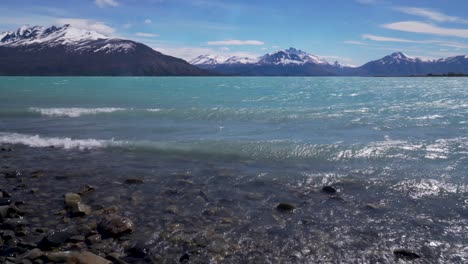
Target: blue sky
x,y
351,31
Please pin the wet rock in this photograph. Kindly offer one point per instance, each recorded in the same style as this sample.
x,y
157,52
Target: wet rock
x,y
85,189
37,174
58,237
406,254
63,256
115,258
32,254
34,190
172,209
133,181
11,224
5,201
373,206
88,258
4,211
328,190
80,209
78,238
5,194
8,234
12,174
114,225
285,207
12,242
185,258
72,199
94,239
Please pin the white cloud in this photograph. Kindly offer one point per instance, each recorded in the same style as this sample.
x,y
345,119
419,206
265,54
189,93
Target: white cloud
x,y
148,21
451,44
386,39
88,24
146,35
431,14
104,3
235,42
355,42
224,49
426,28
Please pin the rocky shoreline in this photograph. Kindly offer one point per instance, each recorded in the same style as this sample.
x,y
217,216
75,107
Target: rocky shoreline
x,y
76,227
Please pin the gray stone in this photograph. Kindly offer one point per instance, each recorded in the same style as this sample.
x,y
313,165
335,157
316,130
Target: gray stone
x,y
32,254
93,239
80,209
88,258
115,225
71,199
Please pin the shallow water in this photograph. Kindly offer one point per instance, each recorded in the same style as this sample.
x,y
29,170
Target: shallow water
x,y
225,151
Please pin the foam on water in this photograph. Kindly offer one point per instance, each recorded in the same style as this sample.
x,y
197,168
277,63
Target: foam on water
x,y
66,143
74,111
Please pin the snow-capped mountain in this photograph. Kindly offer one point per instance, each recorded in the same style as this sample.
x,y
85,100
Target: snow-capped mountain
x,y
290,61
67,50
294,62
65,35
291,56
399,64
208,59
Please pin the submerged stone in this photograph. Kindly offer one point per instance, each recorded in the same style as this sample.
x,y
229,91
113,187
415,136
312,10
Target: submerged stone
x,y
81,209
286,207
328,190
133,181
115,225
86,189
406,254
72,199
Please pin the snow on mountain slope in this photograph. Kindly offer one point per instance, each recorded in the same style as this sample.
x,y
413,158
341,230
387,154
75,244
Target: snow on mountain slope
x,y
208,59
52,36
291,56
282,57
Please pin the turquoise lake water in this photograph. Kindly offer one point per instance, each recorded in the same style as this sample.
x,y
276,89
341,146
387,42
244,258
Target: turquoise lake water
x,y
403,140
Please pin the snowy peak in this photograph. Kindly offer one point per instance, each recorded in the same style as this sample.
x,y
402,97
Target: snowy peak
x,y
216,60
282,57
208,59
397,58
52,36
291,56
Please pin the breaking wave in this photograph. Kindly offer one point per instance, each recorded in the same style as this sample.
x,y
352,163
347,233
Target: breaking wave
x,y
74,111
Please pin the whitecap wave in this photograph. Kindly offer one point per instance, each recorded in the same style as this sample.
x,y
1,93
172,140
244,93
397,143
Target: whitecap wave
x,y
65,142
154,110
74,111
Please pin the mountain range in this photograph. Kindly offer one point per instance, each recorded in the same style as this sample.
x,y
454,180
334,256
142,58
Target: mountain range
x,y
67,50
293,62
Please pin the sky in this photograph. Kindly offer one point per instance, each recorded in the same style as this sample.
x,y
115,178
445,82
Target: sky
x,y
350,31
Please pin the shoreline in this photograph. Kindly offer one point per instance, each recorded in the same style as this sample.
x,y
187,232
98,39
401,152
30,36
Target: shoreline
x,y
67,215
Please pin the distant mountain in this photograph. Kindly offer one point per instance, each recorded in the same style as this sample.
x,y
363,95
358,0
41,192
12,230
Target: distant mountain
x,y
72,51
289,62
293,62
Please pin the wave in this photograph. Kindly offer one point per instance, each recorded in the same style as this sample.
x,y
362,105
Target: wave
x,y
74,111
65,142
441,149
